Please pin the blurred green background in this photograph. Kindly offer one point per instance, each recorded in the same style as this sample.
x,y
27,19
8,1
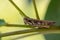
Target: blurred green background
x,y
48,10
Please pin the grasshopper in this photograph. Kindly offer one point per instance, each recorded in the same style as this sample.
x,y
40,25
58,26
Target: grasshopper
x,y
34,22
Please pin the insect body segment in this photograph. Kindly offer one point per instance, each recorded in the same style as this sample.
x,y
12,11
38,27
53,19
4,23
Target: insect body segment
x,y
38,23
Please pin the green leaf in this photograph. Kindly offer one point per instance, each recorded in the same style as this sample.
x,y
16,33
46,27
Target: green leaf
x,y
2,22
53,11
52,36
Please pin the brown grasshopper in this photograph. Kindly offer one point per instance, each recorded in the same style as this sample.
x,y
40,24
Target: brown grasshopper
x,y
38,23
34,22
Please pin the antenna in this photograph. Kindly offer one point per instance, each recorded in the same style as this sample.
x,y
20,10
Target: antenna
x,y
22,13
37,16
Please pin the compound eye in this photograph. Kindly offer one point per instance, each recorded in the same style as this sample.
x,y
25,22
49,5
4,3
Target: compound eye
x,y
29,20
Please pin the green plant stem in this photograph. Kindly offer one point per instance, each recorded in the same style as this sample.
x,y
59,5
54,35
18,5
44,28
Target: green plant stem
x,y
18,25
37,16
21,12
42,31
0,36
27,35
